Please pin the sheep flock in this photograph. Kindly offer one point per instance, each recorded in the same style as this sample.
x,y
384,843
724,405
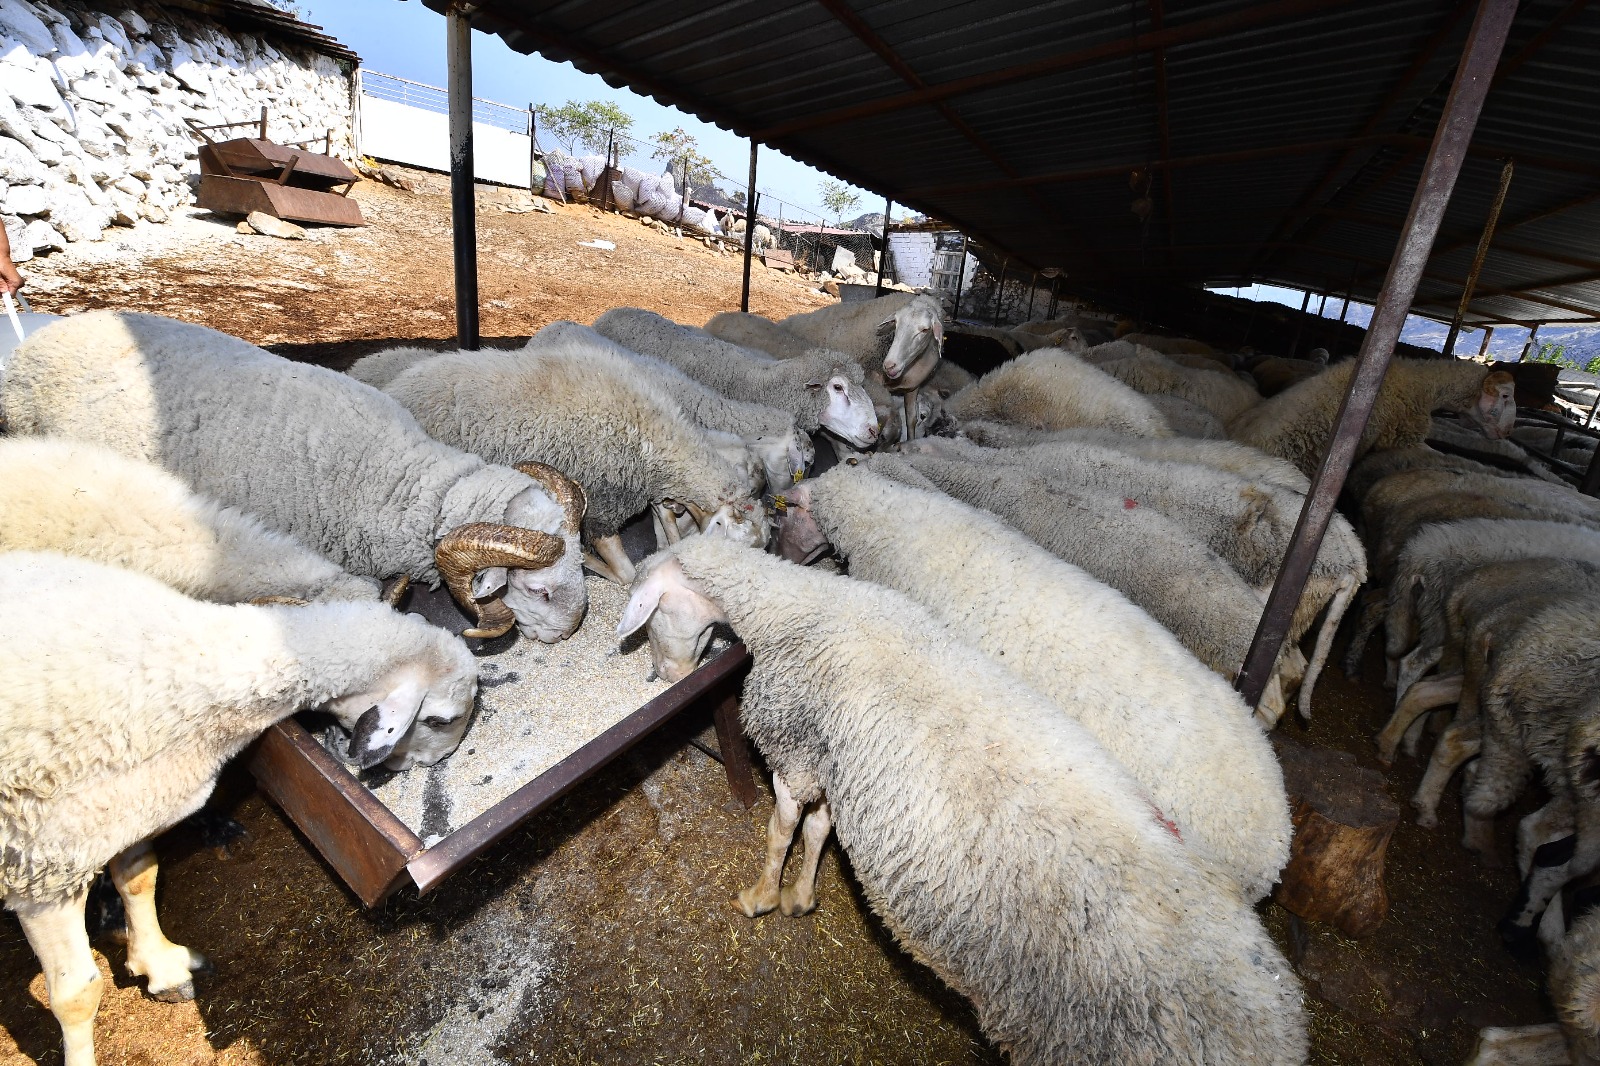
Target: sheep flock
x,y
1009,695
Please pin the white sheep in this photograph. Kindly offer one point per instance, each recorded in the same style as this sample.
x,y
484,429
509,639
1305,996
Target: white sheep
x,y
1171,721
1194,593
1449,433
758,333
115,724
1150,373
821,390
583,408
1001,844
333,462
1220,454
87,501
1051,389
1187,419
783,451
380,368
1297,424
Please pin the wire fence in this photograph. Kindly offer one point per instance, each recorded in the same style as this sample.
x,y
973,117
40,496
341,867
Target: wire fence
x,y
437,100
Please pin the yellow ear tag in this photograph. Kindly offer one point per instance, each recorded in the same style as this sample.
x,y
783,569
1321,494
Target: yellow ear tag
x,y
780,504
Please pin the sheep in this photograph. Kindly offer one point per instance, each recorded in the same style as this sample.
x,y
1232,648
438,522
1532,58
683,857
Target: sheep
x,y
1220,454
380,368
115,724
1149,373
1069,912
760,239
821,390
900,335
783,452
1575,988
1187,419
1194,593
87,501
1297,424
1051,389
1165,345
1428,565
1449,435
1377,465
583,408
315,454
1248,524
1274,375
758,333
1166,717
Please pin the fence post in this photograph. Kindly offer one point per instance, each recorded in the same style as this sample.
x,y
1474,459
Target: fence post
x,y
1533,337
463,202
533,143
1000,288
749,228
961,276
1478,257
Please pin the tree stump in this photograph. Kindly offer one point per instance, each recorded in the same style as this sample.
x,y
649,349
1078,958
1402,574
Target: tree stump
x,y
1343,820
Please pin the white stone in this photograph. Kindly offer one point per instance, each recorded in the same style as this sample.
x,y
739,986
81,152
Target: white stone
x,y
191,73
29,85
27,200
23,24
130,186
76,217
16,233
152,211
40,236
274,227
136,25
96,89
126,208
14,123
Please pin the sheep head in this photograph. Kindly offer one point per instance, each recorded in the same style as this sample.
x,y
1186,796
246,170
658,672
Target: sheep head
x,y
918,342
678,614
845,408
475,559
800,539
415,712
1495,411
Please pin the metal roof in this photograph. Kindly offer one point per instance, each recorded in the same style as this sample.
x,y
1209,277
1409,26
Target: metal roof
x,y
259,17
1277,141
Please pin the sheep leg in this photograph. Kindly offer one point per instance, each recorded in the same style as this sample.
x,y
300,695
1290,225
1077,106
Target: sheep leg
x,y
1413,742
593,562
1272,704
909,400
802,897
1330,625
763,896
1374,608
165,966
610,550
1525,1045
58,936
1420,698
1456,745
666,524
1417,662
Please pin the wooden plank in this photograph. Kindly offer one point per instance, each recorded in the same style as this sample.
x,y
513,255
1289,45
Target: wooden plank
x,y
735,751
359,837
432,866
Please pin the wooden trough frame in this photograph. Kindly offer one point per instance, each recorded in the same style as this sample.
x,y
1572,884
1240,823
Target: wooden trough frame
x,y
248,174
376,854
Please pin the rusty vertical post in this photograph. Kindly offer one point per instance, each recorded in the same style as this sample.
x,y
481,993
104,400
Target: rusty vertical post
x,y
961,275
1055,296
1439,173
749,228
1533,337
263,122
1299,323
1478,258
1483,349
463,205
533,144
1033,287
883,256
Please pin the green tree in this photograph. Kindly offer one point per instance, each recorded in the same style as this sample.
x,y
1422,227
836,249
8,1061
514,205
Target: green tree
x,y
676,146
584,124
838,198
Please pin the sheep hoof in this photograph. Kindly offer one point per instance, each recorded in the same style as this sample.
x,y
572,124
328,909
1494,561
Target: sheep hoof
x,y
177,994
1428,819
794,906
753,903
167,972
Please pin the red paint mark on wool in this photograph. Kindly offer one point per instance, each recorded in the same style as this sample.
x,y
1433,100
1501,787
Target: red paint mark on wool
x,y
1163,820
1129,504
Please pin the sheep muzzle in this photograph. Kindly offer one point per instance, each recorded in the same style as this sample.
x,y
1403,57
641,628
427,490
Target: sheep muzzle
x,y
464,551
565,491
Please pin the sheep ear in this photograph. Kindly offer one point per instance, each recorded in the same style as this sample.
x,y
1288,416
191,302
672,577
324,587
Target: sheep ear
x,y
486,583
813,384
646,597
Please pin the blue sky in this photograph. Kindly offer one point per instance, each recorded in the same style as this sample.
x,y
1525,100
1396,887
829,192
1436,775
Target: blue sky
x,y
403,38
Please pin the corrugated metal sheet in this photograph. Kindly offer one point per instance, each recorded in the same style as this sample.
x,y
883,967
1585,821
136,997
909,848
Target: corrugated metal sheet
x,y
1295,128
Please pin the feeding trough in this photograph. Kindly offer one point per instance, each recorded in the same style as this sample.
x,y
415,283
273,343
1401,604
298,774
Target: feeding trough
x,y
290,181
550,716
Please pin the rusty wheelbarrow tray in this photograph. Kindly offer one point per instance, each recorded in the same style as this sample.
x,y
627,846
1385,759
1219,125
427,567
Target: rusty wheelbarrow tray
x,y
291,181
375,853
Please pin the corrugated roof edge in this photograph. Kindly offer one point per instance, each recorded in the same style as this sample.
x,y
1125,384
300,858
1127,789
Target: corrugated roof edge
x,y
244,15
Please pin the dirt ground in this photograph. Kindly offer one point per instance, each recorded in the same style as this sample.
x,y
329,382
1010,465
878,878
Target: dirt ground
x,y
604,932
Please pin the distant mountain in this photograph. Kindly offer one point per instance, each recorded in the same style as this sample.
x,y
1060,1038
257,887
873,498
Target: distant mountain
x,y
868,223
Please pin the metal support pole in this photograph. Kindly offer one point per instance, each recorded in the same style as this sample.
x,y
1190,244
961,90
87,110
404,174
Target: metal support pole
x,y
463,207
999,288
749,229
1055,296
961,276
1482,253
533,144
1483,349
1439,173
1033,287
1533,337
883,256
1299,323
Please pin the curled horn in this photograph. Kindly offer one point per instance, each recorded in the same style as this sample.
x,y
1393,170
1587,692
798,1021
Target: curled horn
x,y
565,491
467,549
397,591
701,517
278,601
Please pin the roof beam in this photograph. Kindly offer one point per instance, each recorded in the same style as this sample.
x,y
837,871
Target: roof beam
x,y
1538,41
1303,208
1198,30
1159,60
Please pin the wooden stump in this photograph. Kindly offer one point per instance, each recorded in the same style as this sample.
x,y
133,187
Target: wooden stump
x,y
1343,821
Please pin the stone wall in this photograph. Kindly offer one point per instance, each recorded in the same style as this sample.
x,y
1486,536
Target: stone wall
x,y
92,110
